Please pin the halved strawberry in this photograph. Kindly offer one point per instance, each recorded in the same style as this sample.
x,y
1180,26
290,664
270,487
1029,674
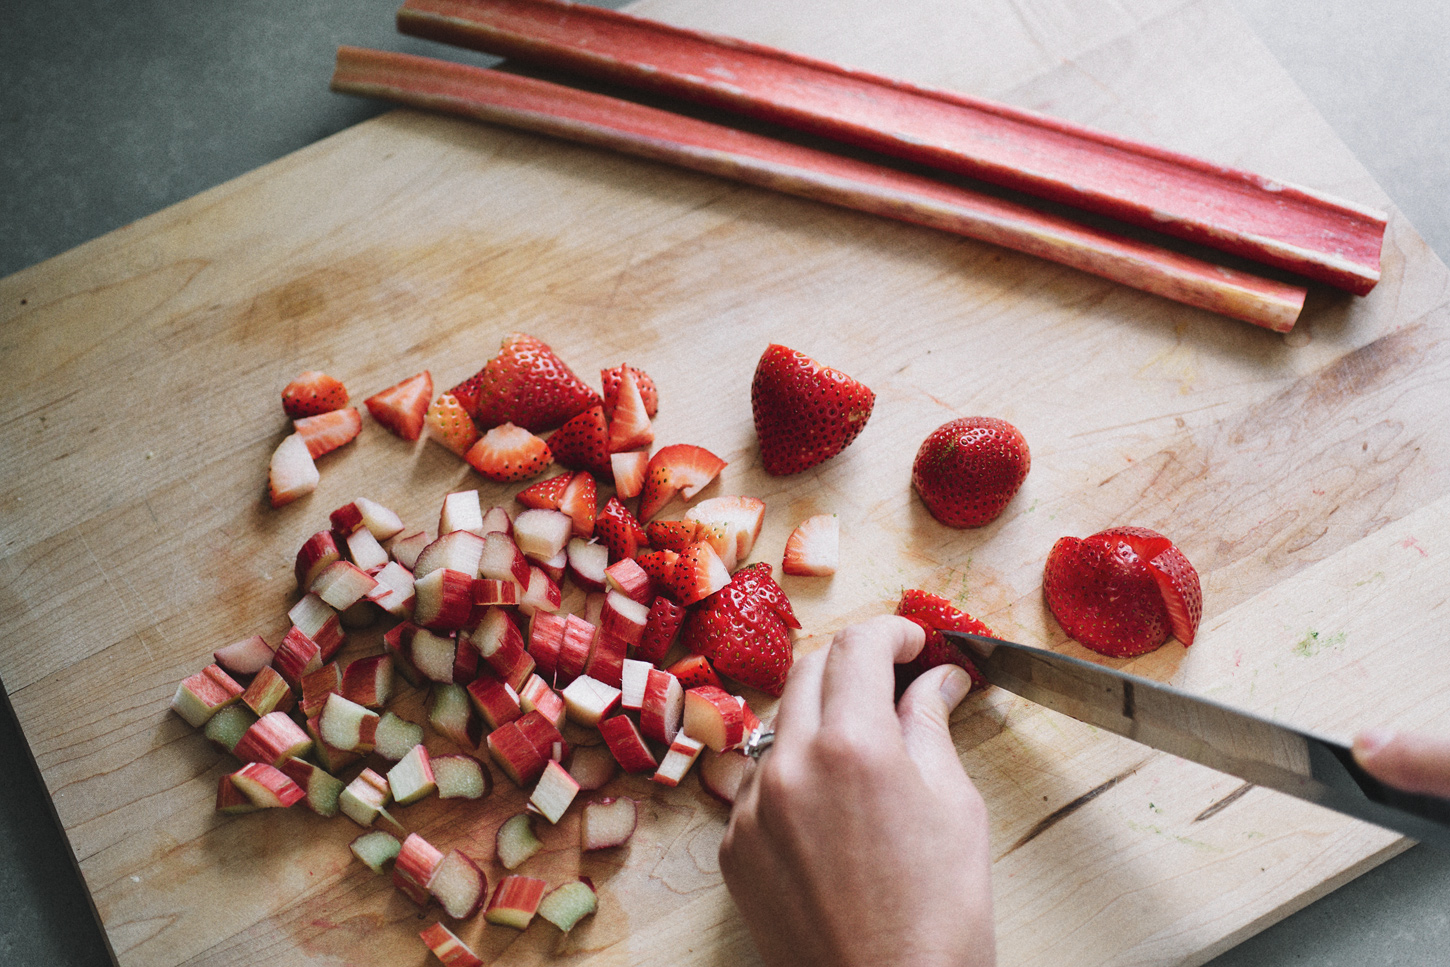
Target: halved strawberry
x,y
311,393
935,613
291,473
679,468
617,529
814,547
804,412
743,635
629,426
611,378
527,385
694,671
1122,591
698,573
676,535
325,432
545,494
449,423
507,453
579,502
582,443
401,408
628,471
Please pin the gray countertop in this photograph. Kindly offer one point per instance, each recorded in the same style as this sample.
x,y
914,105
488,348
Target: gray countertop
x,y
113,111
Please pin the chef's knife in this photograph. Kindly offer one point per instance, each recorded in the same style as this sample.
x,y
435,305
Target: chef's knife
x,y
1255,749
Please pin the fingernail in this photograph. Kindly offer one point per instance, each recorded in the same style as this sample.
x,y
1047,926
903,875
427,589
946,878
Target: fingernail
x,y
1371,741
954,686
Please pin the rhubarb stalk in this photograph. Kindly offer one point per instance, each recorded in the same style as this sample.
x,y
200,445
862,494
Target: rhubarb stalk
x,y
658,135
1246,214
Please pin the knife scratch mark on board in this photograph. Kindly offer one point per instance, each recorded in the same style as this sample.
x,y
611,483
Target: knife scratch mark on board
x,y
1215,808
1062,812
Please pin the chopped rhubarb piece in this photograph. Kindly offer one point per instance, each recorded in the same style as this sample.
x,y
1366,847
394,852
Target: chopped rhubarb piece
x,y
376,849
677,761
461,777
317,686
451,714
566,905
546,638
460,551
443,601
495,700
544,736
630,580
245,657
226,728
274,738
368,681
446,946
323,789
199,696
267,787
269,692
333,759
325,432
515,754
411,778
624,617
414,867
315,619
366,551
515,841
633,676
342,584
311,393
394,591
364,799
606,657
347,725
556,789
588,562
407,548
593,766
541,534
588,700
607,823
515,901
291,474
627,745
462,511
458,885
315,554
537,696
713,716
231,800
401,408
577,639
662,707
542,593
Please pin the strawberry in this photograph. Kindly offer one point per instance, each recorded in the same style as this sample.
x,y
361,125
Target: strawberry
x,y
582,443
312,393
665,618
629,426
968,469
612,378
325,432
805,413
628,471
1122,591
814,547
935,613
527,385
449,423
545,494
659,565
743,635
401,408
507,453
758,580
292,473
579,502
676,535
694,671
617,529
678,468
697,574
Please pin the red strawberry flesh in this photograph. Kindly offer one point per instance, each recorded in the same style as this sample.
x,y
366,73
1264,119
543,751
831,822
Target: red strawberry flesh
x,y
805,413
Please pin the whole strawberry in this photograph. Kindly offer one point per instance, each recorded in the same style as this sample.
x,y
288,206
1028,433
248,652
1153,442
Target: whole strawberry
x,y
968,470
936,614
527,385
1122,591
805,413
740,630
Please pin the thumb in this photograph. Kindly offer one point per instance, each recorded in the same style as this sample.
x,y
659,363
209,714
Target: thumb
x,y
1414,763
923,712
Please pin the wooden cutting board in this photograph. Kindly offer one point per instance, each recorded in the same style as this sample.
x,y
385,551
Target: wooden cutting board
x,y
1307,476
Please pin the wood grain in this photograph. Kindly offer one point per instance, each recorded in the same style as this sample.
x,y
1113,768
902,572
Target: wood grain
x,y
1306,477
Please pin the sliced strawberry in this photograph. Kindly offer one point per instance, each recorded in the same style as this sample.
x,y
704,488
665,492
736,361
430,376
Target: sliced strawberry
x,y
325,432
448,422
758,580
659,565
628,470
527,385
813,549
1116,592
311,393
401,408
694,671
629,425
679,468
579,501
676,535
508,453
665,619
731,524
616,528
698,573
742,634
935,613
546,494
582,443
804,412
292,473
612,378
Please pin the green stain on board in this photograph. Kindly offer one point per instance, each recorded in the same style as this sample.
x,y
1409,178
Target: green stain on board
x,y
1184,840
1313,643
1377,577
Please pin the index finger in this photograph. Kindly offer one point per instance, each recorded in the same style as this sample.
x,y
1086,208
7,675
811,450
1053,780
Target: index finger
x,y
858,685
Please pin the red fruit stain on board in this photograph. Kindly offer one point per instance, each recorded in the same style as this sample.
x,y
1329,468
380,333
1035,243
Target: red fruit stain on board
x,y
1409,543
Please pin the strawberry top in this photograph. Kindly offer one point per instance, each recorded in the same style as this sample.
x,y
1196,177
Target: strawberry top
x,y
805,413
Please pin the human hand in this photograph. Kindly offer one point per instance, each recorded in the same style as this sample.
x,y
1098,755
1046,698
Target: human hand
x,y
858,838
1408,761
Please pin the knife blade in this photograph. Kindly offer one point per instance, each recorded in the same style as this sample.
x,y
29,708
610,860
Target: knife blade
x,y
1257,750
